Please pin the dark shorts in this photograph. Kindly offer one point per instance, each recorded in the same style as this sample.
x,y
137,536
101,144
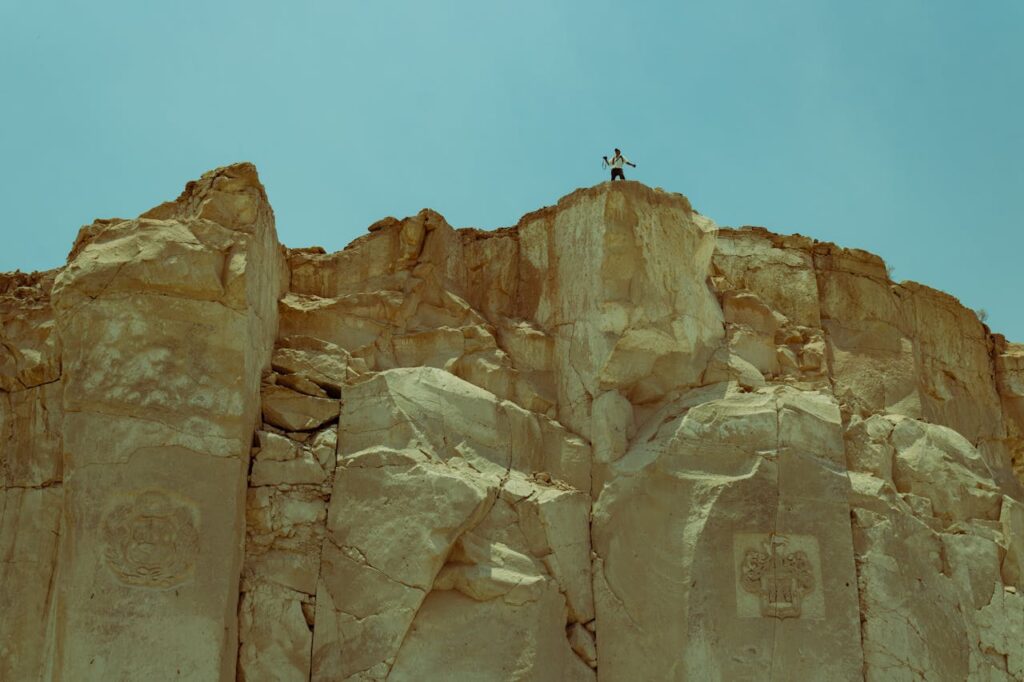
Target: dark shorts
x,y
617,173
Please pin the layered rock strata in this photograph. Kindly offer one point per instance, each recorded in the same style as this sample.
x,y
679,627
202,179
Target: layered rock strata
x,y
613,442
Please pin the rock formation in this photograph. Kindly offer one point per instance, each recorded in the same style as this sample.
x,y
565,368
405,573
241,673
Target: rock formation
x,y
613,442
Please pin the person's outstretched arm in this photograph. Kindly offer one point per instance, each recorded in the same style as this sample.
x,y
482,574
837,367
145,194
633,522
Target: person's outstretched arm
x,y
628,162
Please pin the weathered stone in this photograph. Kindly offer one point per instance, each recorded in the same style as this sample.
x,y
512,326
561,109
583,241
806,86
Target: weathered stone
x,y
284,533
300,384
29,345
296,411
321,362
274,640
582,642
30,527
1011,518
31,424
939,464
778,269
462,421
1001,625
702,507
496,640
274,447
373,581
166,325
612,441
304,469
727,366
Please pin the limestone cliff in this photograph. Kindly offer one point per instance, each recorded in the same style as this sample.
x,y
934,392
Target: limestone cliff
x,y
613,442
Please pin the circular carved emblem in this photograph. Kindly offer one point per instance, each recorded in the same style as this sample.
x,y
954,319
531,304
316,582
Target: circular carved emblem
x,y
151,540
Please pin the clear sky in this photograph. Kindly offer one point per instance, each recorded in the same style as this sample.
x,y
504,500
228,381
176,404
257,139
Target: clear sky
x,y
895,126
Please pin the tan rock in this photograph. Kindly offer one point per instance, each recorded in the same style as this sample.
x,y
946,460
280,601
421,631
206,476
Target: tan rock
x,y
778,269
556,526
489,648
593,273
274,639
274,447
524,562
300,384
747,309
899,553
30,527
939,464
1011,518
323,363
1002,630
304,469
29,344
758,350
31,425
166,325
582,642
613,425
727,366
612,440
324,447
897,558
372,584
492,435
1009,365
296,411
284,533
716,493
973,566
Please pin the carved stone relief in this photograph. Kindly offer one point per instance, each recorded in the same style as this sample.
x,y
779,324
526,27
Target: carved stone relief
x,y
151,539
777,576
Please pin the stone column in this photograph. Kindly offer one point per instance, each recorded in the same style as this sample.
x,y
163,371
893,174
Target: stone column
x,y
30,470
166,322
723,545
617,274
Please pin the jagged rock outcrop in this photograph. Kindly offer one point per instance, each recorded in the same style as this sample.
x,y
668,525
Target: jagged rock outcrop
x,y
613,442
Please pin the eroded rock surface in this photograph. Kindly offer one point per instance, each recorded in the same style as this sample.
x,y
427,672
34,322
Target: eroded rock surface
x,y
612,442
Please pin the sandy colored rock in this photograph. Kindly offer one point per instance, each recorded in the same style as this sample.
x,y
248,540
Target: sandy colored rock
x,y
29,345
295,411
722,486
582,642
284,533
30,528
1011,519
1001,625
166,325
323,363
274,639
778,269
1009,365
31,424
923,511
465,421
536,649
611,442
371,588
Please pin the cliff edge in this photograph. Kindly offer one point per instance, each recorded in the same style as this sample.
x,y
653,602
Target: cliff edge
x,y
612,442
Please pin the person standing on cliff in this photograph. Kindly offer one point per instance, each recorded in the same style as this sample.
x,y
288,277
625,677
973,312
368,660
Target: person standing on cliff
x,y
616,163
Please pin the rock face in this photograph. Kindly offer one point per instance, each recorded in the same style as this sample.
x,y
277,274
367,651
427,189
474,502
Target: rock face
x,y
613,442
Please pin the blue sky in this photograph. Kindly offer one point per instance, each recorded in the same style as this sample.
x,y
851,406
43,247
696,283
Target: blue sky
x,y
894,126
